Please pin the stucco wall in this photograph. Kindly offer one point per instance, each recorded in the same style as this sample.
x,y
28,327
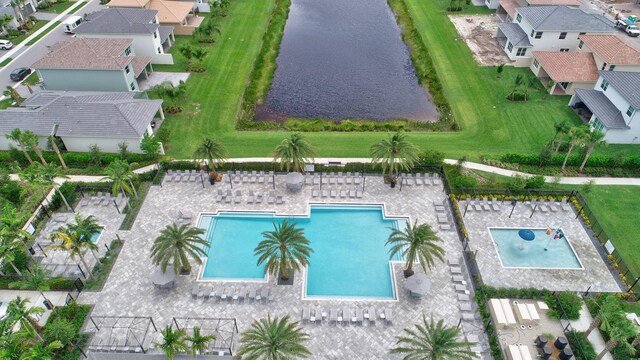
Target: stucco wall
x,y
143,44
86,80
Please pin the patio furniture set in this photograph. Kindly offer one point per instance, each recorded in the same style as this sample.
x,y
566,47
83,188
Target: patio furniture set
x,y
184,176
420,179
464,296
445,218
232,294
102,199
333,178
346,315
253,197
550,205
343,193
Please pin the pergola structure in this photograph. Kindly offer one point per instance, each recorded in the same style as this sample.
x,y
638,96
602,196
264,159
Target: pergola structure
x,y
224,329
120,333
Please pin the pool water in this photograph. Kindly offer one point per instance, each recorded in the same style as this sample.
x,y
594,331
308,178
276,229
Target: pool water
x,y
516,252
96,235
350,258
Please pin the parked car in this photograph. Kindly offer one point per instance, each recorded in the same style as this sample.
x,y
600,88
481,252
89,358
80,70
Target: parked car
x,y
71,23
630,29
5,45
20,73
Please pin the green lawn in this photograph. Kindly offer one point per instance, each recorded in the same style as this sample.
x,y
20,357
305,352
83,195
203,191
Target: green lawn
x,y
43,34
59,7
20,38
490,123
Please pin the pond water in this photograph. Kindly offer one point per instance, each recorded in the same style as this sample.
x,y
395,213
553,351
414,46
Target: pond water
x,y
344,59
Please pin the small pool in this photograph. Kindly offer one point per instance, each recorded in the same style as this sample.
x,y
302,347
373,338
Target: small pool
x,y
96,235
350,258
518,253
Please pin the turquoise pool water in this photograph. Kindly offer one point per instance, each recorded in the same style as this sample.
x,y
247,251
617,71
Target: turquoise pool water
x,y
96,235
515,252
349,259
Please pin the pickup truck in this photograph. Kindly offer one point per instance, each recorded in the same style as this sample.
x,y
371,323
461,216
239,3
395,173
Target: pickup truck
x,y
630,29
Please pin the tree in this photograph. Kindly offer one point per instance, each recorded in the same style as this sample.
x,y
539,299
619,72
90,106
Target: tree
x,y
60,329
4,21
72,242
562,128
432,341
36,280
576,137
150,146
531,84
120,174
8,247
47,174
18,312
95,154
17,136
516,91
32,140
13,94
418,243
176,244
199,342
293,152
593,138
499,70
283,249
206,30
173,342
619,333
85,227
198,53
394,154
187,50
274,339
609,308
54,145
211,150
123,150
42,351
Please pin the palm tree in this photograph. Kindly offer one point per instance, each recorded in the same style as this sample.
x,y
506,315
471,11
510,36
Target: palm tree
x,y
173,342
609,310
593,138
576,137
120,174
54,144
199,342
4,21
176,244
85,227
42,351
13,94
18,312
293,152
199,53
32,140
284,249
187,51
16,136
72,242
561,128
432,341
206,30
274,339
36,280
47,174
394,154
418,243
8,247
212,150
619,334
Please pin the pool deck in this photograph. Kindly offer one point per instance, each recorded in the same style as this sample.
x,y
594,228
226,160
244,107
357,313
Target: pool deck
x,y
129,291
595,275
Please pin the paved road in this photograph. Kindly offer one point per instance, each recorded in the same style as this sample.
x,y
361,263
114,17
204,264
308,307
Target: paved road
x,y
30,54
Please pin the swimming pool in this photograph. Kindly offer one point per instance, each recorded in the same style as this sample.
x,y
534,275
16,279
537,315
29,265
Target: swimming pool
x,y
350,258
96,235
515,252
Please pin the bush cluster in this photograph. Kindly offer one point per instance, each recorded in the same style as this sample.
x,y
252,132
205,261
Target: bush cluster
x,y
582,349
73,159
596,160
568,301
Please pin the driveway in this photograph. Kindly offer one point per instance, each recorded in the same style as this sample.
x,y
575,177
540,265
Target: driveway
x,y
26,56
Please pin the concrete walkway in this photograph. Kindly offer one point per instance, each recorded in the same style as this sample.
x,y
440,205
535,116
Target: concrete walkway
x,y
595,338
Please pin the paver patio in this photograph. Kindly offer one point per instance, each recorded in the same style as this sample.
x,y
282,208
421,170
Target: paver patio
x,y
129,291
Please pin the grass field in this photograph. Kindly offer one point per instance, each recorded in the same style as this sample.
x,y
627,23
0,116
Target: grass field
x,y
58,8
490,123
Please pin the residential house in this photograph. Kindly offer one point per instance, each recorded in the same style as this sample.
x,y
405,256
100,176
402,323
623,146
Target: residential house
x,y
82,119
548,28
140,25
179,14
89,64
567,71
19,9
506,9
13,24
611,52
612,106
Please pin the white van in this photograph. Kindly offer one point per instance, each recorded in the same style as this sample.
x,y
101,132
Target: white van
x,y
71,23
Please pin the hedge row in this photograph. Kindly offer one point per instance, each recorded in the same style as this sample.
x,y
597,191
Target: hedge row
x,y
596,160
72,159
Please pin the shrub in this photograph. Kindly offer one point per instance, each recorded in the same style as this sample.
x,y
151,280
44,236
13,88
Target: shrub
x,y
60,329
582,349
10,190
569,301
95,155
535,182
432,157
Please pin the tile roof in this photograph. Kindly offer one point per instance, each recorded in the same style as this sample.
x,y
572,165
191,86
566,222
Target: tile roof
x,y
602,107
86,53
515,34
626,84
565,18
509,6
171,11
91,114
128,3
139,63
571,66
165,31
119,21
612,49
554,2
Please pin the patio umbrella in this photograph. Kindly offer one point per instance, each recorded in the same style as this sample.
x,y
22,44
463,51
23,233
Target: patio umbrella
x,y
526,234
418,284
163,279
294,181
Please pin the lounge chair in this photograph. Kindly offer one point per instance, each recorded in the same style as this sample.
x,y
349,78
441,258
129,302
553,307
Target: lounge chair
x,y
333,315
312,315
84,201
388,315
419,181
184,216
107,200
463,297
359,194
334,193
459,279
485,204
552,206
305,315
195,290
461,288
252,294
119,198
223,294
439,207
98,198
343,193
325,193
455,270
269,296
352,194
495,205
259,295
371,315
465,307
454,262
251,197
476,205
238,197
564,205
168,177
442,219
445,227
227,197
259,198
359,316
201,292
315,193
279,199
264,294
468,317
271,198
347,314
348,180
211,293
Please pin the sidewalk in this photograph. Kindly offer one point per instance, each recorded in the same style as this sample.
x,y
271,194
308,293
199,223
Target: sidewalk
x,y
595,338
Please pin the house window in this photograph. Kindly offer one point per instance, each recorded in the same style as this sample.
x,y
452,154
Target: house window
x,y
521,51
127,51
604,85
538,35
126,69
532,32
518,18
155,34
132,85
611,67
510,46
580,44
583,33
536,63
563,35
564,50
630,111
564,84
597,124
154,21
159,50
604,65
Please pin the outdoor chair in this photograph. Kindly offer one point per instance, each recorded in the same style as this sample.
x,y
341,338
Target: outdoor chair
x,y
442,219
313,315
341,315
446,227
106,201
185,176
419,181
333,315
340,180
359,316
388,315
168,177
371,315
259,198
316,181
468,317
259,295
332,180
211,293
223,294
184,216
352,193
334,193
458,279
407,181
476,205
455,270
305,315
271,198
84,202
194,291
495,204
454,262
252,294
359,194
119,198
343,193
238,197
348,180
315,193
485,204
98,198
251,197
269,296
201,292
552,206
564,205
220,196
325,193
279,200
439,207
463,297
308,180
228,197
